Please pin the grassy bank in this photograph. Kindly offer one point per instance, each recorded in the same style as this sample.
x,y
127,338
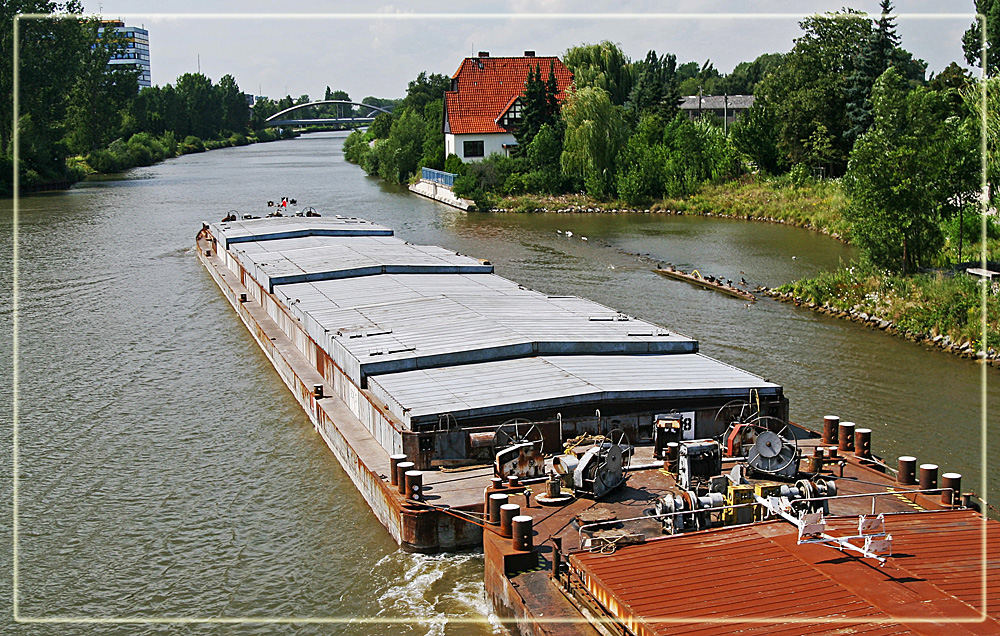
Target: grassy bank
x,y
141,149
817,205
941,307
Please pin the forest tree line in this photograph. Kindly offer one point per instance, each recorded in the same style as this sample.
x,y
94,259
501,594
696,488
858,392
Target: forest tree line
x,y
78,115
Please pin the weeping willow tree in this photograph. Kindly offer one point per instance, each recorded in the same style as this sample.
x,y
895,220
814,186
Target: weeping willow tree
x,y
602,66
595,134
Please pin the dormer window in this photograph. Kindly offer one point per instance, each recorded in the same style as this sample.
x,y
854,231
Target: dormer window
x,y
512,116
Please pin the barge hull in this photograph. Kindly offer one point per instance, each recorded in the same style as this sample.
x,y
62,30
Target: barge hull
x,y
360,455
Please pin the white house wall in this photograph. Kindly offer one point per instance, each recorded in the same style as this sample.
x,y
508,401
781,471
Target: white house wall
x,y
492,143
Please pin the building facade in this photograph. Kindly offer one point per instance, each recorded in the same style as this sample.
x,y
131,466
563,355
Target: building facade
x,y
726,107
483,108
135,53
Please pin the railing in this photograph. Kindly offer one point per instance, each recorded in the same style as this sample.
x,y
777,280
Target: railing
x,y
438,176
874,495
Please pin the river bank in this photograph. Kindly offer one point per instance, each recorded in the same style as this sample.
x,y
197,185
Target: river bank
x,y
940,309
812,205
140,150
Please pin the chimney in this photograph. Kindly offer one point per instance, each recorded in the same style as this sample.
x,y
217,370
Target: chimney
x,y
484,54
529,54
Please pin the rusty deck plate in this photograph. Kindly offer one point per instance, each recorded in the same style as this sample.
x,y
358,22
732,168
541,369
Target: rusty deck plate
x,y
749,578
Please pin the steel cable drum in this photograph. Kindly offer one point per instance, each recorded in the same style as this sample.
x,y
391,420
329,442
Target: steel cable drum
x,y
774,454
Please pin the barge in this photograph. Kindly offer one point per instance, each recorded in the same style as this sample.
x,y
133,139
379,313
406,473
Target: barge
x,y
618,480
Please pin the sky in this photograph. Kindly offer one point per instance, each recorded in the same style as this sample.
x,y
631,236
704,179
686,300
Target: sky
x,y
307,46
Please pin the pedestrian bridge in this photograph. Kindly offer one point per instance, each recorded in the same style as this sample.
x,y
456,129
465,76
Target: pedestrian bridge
x,y
278,118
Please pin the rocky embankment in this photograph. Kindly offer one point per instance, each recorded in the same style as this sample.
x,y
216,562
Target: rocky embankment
x,y
964,349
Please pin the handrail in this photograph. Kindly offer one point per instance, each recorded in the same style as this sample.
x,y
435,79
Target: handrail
x,y
438,176
873,495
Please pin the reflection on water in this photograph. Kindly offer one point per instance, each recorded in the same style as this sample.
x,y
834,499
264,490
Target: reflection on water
x,y
165,470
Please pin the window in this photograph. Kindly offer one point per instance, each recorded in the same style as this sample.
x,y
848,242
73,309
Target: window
x,y
513,115
473,149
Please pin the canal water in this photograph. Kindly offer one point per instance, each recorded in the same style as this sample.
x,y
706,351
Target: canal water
x,y
165,471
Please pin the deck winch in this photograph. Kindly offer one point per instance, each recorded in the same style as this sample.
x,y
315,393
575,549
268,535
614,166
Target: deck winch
x,y
601,469
689,501
520,450
767,443
698,461
687,510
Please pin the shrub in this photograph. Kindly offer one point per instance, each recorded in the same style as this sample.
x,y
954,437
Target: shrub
x,y
101,160
799,175
191,144
453,163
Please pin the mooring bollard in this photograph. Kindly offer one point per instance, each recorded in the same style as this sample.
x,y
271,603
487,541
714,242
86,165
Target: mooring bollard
x,y
497,499
907,475
507,513
401,469
830,423
845,436
521,527
928,476
393,464
673,454
951,486
863,443
414,484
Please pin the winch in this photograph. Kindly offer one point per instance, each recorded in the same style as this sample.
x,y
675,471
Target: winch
x,y
601,469
698,461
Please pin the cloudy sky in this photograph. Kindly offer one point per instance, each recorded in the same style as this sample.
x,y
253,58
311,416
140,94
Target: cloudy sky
x,y
308,46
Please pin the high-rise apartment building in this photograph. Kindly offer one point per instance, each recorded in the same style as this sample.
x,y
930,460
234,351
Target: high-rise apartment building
x,y
136,48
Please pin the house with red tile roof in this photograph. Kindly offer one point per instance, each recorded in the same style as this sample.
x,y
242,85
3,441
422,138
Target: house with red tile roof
x,y
483,107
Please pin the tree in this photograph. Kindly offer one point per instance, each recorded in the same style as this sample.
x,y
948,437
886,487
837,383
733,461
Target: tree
x,y
399,155
602,66
99,95
235,112
425,89
809,88
595,133
655,88
50,56
540,105
200,104
754,135
380,126
910,171
880,50
974,96
972,41
704,78
745,77
433,146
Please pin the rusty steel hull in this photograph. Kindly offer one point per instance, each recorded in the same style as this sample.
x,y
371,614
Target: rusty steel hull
x,y
415,529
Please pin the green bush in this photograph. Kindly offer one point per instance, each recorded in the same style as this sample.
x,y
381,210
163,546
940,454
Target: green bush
x,y
101,160
355,147
191,144
453,164
169,143
799,175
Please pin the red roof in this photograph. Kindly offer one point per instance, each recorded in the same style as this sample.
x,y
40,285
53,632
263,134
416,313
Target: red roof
x,y
756,579
486,86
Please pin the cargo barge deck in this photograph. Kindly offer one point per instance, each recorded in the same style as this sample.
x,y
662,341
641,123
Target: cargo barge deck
x,y
565,437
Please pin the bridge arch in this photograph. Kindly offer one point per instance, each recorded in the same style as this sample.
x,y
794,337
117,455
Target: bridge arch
x,y
278,114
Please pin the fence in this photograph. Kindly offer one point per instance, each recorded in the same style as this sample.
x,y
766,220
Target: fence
x,y
437,176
